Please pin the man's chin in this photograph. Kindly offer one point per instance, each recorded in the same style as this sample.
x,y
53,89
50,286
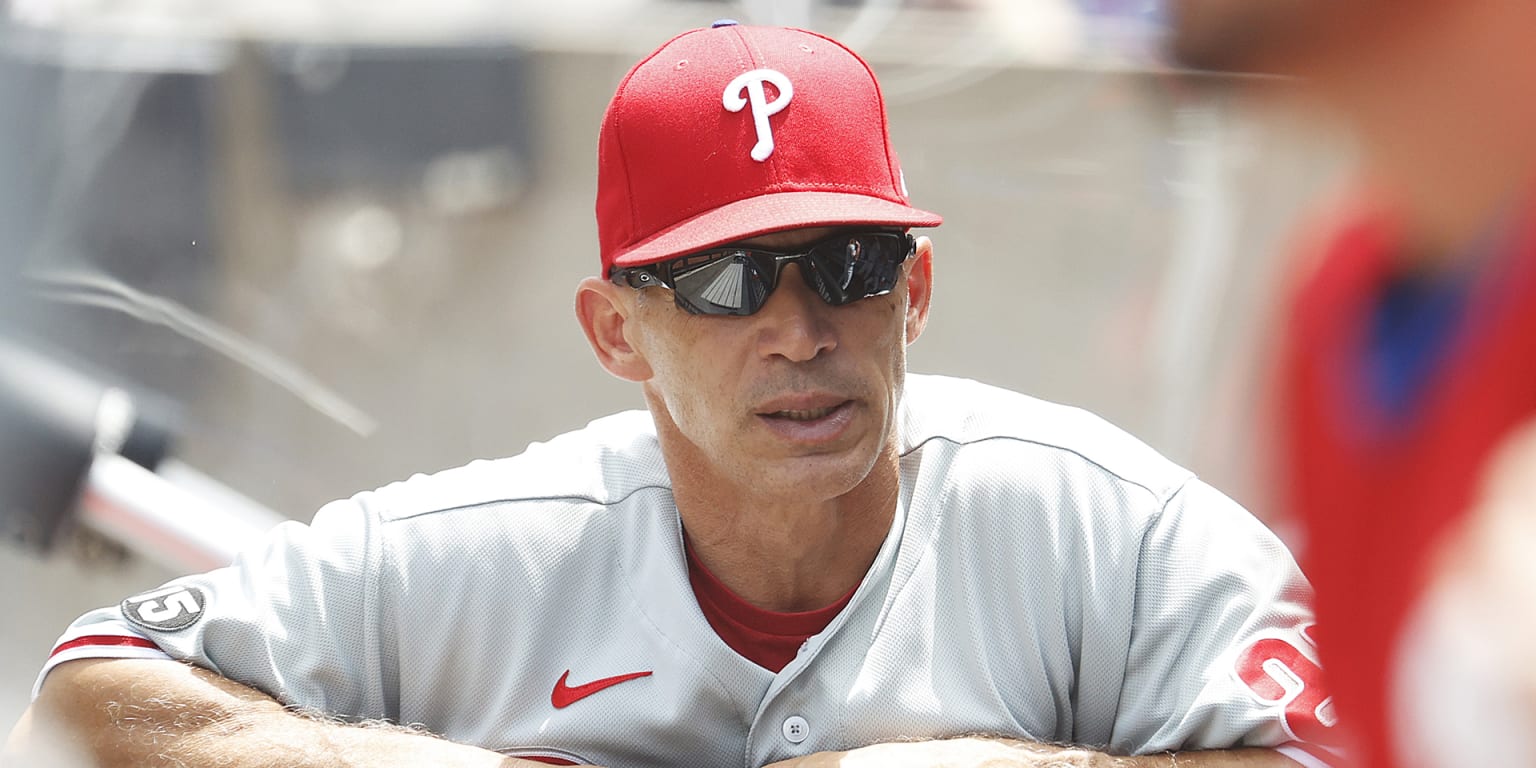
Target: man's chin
x,y
815,478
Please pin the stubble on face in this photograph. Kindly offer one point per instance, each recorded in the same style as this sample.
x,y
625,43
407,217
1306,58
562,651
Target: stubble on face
x,y
710,386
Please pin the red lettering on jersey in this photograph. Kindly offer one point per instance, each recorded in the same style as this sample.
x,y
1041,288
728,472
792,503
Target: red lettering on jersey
x,y
1280,673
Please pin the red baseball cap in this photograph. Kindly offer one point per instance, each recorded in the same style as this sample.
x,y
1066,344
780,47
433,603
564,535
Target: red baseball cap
x,y
736,131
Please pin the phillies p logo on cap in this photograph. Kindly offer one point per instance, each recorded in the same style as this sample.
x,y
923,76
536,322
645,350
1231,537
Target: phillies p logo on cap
x,y
751,84
735,131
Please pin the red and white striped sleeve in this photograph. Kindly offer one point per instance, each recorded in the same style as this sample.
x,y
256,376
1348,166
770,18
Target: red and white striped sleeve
x,y
1312,755
100,640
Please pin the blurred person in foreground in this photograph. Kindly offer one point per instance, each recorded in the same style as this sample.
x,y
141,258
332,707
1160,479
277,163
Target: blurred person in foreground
x,y
1408,371
800,556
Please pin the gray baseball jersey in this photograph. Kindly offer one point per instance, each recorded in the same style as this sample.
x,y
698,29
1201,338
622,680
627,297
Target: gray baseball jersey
x,y
1047,577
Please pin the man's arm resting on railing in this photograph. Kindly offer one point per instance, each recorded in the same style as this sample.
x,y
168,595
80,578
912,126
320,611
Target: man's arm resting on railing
x,y
144,713
976,752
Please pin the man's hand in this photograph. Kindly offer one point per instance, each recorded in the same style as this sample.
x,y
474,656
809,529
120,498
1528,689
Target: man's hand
x,y
975,752
1464,679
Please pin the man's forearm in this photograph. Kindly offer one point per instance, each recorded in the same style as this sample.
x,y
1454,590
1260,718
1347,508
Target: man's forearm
x,y
145,713
977,752
1211,758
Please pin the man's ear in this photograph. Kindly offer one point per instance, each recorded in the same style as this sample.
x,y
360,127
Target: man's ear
x,y
919,288
604,314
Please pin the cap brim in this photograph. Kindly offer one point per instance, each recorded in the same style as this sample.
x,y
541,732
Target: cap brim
x,y
773,212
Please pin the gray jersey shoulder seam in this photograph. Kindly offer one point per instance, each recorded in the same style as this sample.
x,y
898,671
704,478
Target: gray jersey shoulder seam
x,y
1162,500
521,499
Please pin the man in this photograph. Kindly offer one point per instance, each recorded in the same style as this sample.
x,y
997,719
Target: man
x,y
801,556
1408,374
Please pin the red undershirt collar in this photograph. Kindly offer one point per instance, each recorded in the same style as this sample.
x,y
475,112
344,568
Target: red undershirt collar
x,y
767,638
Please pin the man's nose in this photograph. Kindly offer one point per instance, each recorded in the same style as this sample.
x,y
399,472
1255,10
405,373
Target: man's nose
x,y
795,323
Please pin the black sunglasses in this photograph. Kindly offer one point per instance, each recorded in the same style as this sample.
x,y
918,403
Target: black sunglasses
x,y
737,279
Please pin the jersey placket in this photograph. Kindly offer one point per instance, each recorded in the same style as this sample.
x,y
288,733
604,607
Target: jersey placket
x,y
795,716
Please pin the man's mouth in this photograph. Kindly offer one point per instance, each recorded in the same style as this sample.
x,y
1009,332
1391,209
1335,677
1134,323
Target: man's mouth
x,y
810,414
821,423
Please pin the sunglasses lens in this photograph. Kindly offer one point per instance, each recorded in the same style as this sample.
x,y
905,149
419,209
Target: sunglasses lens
x,y
857,266
841,269
730,284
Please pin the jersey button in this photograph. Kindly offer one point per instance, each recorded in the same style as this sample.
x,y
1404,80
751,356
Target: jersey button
x,y
796,729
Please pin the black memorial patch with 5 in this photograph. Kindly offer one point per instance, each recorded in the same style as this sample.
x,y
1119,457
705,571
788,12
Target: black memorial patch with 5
x,y
166,609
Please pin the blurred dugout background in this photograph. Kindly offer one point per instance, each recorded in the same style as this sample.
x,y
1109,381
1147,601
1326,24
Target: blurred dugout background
x,y
339,239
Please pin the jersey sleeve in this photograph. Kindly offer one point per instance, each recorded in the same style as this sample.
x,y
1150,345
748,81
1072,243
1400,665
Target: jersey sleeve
x,y
1221,655
295,615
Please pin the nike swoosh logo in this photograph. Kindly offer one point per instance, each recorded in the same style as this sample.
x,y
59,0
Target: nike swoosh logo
x,y
563,695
